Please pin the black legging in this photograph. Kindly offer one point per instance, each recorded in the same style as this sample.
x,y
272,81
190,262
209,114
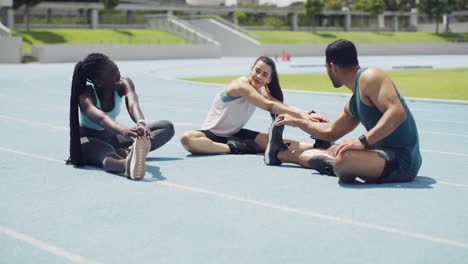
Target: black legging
x,y
97,145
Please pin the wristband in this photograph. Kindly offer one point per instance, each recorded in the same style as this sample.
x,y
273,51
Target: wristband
x,y
363,140
141,121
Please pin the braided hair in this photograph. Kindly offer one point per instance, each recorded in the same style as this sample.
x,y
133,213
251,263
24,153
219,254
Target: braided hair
x,y
273,87
85,71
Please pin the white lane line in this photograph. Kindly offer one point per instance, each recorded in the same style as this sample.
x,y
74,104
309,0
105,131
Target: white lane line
x,y
62,161
31,155
45,246
31,122
322,216
443,152
443,134
454,184
299,211
189,123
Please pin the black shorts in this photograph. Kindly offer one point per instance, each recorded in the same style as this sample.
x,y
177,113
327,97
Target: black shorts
x,y
392,172
242,134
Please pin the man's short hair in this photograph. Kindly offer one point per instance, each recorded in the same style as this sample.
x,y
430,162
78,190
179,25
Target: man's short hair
x,y
342,52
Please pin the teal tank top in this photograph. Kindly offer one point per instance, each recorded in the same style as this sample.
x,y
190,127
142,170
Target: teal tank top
x,y
404,140
84,120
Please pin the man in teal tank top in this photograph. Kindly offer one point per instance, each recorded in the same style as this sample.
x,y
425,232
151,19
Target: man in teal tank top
x,y
387,152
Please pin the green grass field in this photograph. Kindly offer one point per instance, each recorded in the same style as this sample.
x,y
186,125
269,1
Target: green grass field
x,y
272,37
97,36
87,36
423,83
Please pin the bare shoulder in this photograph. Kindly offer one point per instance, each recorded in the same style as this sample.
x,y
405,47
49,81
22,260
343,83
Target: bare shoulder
x,y
372,79
87,96
125,86
237,86
372,75
87,92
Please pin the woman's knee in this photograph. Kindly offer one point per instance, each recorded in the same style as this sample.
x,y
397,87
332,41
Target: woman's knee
x,y
168,125
165,125
186,139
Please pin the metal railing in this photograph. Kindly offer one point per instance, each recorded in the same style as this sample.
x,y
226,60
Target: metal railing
x,y
179,28
136,41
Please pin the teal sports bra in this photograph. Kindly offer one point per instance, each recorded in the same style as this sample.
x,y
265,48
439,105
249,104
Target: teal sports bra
x,y
84,120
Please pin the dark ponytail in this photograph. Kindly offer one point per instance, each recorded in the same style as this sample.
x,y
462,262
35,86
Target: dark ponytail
x,y
85,70
273,87
78,85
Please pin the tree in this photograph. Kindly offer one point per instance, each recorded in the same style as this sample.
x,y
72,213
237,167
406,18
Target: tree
x,y
333,4
399,5
436,8
461,4
110,4
373,7
313,8
27,4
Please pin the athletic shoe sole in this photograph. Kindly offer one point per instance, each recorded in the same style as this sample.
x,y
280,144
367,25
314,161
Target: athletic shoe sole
x,y
322,163
136,160
271,158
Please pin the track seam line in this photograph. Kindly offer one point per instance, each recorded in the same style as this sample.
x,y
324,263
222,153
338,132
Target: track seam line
x,y
293,210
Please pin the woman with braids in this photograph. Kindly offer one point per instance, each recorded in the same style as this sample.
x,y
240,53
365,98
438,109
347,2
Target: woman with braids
x,y
222,130
96,138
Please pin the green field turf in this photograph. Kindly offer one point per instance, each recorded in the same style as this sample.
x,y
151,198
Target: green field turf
x,y
272,37
423,83
96,36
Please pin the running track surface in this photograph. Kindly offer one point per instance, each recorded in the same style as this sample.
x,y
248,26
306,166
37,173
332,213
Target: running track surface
x,y
223,208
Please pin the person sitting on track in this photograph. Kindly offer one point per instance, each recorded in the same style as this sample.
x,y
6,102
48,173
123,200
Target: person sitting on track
x,y
388,152
223,129
96,138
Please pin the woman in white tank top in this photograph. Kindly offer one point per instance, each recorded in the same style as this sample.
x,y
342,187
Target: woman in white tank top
x,y
223,129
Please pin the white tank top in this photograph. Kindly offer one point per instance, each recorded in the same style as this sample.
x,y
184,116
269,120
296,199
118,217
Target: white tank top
x,y
228,114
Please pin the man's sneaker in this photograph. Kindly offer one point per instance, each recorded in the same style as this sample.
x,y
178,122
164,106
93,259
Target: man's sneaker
x,y
275,145
246,146
322,163
136,159
323,144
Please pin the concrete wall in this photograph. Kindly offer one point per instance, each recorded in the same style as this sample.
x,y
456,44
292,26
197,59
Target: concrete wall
x,y
233,43
367,49
454,27
74,52
10,49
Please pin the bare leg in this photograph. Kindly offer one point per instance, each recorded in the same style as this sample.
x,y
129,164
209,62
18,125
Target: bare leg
x,y
364,164
114,164
198,144
300,157
262,141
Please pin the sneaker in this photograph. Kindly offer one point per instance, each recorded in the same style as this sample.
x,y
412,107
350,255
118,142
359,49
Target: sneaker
x,y
123,152
246,146
323,144
322,163
136,158
275,145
